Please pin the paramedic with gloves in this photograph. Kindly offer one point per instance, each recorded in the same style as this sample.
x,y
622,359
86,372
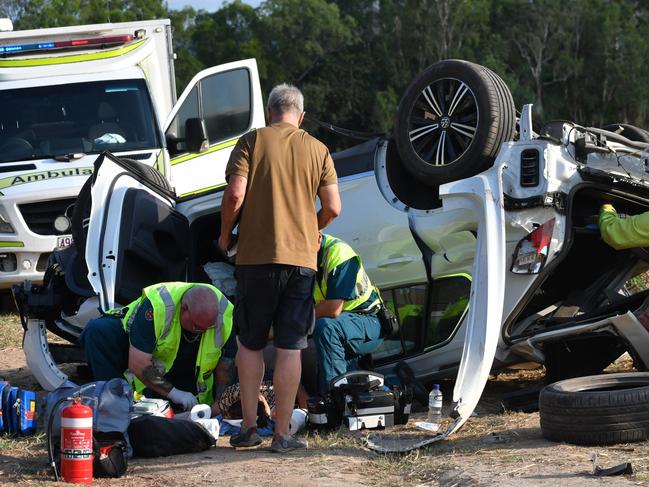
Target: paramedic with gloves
x,y
346,326
170,340
626,233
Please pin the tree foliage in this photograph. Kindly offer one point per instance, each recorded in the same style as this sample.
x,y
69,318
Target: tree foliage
x,y
584,60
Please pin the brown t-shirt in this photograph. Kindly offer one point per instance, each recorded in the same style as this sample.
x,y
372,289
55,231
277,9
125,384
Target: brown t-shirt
x,y
285,167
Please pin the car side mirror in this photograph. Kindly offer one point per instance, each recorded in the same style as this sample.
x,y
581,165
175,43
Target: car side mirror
x,y
195,135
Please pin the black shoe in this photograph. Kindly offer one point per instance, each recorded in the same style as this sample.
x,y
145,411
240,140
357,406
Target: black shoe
x,y
285,444
246,439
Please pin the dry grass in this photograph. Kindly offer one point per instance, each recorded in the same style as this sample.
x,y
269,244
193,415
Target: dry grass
x,y
489,449
11,331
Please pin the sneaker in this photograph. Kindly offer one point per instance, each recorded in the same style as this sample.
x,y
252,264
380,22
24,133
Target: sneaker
x,y
246,439
283,444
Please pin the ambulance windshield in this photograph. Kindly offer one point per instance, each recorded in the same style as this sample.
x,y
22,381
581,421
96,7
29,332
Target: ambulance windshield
x,y
55,120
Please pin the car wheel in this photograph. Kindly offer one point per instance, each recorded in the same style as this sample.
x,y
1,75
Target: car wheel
x,y
631,132
596,410
452,120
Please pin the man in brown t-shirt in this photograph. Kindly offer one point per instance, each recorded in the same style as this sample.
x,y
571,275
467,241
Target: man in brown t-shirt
x,y
274,175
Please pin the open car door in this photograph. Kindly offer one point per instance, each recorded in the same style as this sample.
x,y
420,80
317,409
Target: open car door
x,y
219,105
480,201
135,237
483,196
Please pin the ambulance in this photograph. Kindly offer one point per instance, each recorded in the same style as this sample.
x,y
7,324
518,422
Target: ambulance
x,y
68,94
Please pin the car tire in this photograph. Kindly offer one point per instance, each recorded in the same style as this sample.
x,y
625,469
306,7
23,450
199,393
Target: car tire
x,y
596,410
452,120
631,132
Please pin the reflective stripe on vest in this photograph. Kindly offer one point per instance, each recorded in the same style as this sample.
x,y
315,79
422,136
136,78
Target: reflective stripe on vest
x,y
218,331
165,299
336,252
170,309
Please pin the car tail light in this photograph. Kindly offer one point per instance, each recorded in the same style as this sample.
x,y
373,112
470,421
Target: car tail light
x,y
532,251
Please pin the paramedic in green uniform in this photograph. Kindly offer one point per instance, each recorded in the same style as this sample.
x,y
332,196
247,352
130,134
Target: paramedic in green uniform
x,y
167,343
626,233
346,324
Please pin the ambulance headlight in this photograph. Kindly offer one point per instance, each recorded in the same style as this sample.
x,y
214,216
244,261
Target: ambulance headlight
x,y
62,224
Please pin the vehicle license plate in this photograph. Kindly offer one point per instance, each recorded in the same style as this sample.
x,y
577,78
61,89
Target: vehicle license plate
x,y
64,241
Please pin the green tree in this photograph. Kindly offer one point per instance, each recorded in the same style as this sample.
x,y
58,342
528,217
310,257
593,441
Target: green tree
x,y
36,14
186,64
229,34
11,9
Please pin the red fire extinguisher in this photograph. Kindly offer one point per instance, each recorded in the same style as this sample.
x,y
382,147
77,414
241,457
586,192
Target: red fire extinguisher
x,y
76,443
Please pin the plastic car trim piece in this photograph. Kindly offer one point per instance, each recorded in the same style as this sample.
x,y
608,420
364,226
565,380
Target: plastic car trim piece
x,y
38,356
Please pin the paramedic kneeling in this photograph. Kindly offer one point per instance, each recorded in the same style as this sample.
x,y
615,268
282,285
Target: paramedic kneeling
x,y
170,340
346,305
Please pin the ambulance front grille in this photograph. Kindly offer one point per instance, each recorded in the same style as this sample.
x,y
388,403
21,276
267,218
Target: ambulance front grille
x,y
40,216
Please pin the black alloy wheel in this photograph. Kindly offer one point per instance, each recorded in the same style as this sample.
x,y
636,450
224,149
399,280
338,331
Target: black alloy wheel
x,y
452,120
443,121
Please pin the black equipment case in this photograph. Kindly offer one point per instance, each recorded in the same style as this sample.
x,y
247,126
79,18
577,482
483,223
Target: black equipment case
x,y
360,400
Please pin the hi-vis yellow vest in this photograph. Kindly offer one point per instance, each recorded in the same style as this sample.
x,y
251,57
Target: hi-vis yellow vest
x,y
623,233
334,253
165,299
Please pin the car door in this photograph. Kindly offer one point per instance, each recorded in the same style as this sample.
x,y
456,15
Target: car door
x,y
474,204
377,231
136,237
226,100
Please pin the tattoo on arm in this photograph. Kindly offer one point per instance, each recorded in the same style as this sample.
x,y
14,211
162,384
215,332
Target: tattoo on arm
x,y
152,377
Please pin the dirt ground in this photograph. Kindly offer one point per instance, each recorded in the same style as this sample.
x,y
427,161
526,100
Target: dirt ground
x,y
493,448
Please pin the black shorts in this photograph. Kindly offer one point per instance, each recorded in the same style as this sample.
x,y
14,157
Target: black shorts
x,y
277,295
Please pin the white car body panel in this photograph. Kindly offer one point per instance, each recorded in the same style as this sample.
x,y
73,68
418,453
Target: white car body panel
x,y
108,191
389,253
39,360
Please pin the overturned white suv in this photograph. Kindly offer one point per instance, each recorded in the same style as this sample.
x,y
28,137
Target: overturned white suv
x,y
480,231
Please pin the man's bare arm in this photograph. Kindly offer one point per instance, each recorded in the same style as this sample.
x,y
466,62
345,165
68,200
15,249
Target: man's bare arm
x,y
330,204
141,364
329,308
233,197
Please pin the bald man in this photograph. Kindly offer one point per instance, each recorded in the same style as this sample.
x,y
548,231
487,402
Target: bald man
x,y
167,343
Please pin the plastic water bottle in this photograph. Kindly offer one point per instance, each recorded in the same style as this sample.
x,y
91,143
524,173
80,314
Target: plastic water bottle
x,y
435,405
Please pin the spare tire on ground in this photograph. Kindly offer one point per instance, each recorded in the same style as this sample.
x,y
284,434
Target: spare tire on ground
x,y
597,410
452,120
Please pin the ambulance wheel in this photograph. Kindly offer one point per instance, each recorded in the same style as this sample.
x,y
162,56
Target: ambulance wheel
x,y
452,120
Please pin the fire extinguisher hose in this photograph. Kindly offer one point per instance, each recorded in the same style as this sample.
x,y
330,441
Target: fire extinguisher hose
x,y
50,446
